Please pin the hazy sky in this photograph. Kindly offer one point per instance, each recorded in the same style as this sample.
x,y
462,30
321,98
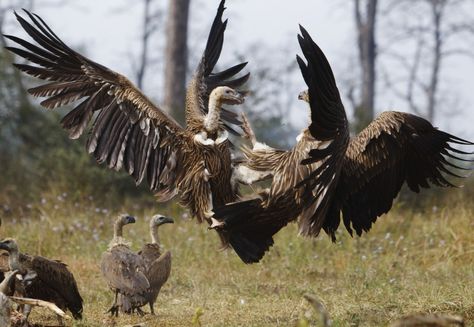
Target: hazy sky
x,y
109,30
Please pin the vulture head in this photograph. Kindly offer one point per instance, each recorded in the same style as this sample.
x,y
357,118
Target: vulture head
x,y
9,244
158,220
227,95
304,96
125,219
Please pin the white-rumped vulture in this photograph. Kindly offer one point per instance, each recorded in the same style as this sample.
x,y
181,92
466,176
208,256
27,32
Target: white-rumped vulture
x,y
130,132
357,177
157,263
44,279
124,271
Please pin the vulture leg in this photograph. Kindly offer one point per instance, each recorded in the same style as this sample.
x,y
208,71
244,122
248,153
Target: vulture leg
x,y
248,131
152,310
140,312
114,308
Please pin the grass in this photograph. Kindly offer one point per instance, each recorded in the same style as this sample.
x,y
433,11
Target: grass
x,y
412,261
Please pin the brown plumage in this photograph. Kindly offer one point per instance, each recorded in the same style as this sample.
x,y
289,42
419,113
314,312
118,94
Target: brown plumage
x,y
124,271
44,279
357,177
158,264
131,133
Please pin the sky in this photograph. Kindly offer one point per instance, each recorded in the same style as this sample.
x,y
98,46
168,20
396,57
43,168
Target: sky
x,y
109,31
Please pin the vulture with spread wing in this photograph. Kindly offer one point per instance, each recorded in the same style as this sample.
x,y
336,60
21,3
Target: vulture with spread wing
x,y
130,132
357,177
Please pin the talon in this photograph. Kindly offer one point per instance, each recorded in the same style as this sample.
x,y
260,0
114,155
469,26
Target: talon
x,y
216,224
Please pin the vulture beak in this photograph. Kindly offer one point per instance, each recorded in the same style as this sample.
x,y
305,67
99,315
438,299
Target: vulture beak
x,y
4,246
131,220
167,220
239,97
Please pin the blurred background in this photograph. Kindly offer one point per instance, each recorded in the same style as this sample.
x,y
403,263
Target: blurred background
x,y
415,56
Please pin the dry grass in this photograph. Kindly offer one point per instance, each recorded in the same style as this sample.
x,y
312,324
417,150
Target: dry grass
x,y
412,261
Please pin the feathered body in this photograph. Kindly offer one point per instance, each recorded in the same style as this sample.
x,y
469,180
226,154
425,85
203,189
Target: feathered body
x,y
124,271
44,279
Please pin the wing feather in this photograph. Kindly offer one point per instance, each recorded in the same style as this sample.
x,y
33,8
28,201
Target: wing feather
x,y
121,106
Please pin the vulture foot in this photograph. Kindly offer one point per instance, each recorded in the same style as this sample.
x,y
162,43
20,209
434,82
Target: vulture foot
x,y
114,309
216,224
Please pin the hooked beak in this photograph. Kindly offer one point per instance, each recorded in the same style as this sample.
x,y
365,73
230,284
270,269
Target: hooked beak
x,y
131,220
167,220
3,246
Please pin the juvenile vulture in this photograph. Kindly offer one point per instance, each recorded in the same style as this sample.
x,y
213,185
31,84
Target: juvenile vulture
x,y
44,279
124,271
132,133
358,177
158,264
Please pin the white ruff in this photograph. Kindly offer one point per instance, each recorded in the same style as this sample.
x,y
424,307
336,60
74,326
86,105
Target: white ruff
x,y
202,139
222,137
247,176
261,147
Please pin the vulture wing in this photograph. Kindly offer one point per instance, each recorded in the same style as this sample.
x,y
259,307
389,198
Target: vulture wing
x,y
124,271
159,270
395,148
128,130
204,80
329,126
56,275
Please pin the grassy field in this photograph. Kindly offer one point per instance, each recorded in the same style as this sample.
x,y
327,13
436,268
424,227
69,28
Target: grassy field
x,y
412,261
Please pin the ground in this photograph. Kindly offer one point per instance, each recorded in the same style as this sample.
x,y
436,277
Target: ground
x,y
413,260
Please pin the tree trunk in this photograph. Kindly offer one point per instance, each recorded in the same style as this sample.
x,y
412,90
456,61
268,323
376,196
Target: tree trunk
x,y
366,26
437,11
176,58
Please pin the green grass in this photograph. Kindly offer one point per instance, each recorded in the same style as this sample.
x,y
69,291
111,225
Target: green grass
x,y
412,261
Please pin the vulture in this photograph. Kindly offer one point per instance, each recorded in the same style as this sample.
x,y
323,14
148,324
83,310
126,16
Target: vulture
x,y
328,174
44,279
157,264
124,271
129,132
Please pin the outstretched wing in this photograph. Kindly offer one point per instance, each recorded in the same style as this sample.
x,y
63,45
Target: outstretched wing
x,y
128,130
204,80
395,148
328,125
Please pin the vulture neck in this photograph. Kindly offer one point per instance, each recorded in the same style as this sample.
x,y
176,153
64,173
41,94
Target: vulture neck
x,y
118,235
14,260
155,239
211,121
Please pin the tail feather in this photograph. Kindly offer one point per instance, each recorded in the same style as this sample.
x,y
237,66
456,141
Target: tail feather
x,y
249,228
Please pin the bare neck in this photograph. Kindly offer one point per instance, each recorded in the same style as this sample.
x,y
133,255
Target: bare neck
x,y
211,122
118,230
155,239
14,260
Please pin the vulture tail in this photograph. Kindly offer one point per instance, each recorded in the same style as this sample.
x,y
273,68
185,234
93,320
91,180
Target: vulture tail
x,y
244,229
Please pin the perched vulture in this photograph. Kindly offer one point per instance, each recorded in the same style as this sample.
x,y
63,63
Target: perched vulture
x,y
157,264
44,279
124,271
132,133
357,177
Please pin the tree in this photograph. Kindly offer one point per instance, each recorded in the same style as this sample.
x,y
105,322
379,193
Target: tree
x,y
365,21
176,57
437,30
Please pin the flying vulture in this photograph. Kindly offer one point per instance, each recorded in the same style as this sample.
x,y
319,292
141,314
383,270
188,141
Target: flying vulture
x,y
130,132
124,271
357,177
44,279
157,264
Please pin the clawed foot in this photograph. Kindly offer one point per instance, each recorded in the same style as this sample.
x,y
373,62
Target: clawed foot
x,y
216,224
140,312
114,309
